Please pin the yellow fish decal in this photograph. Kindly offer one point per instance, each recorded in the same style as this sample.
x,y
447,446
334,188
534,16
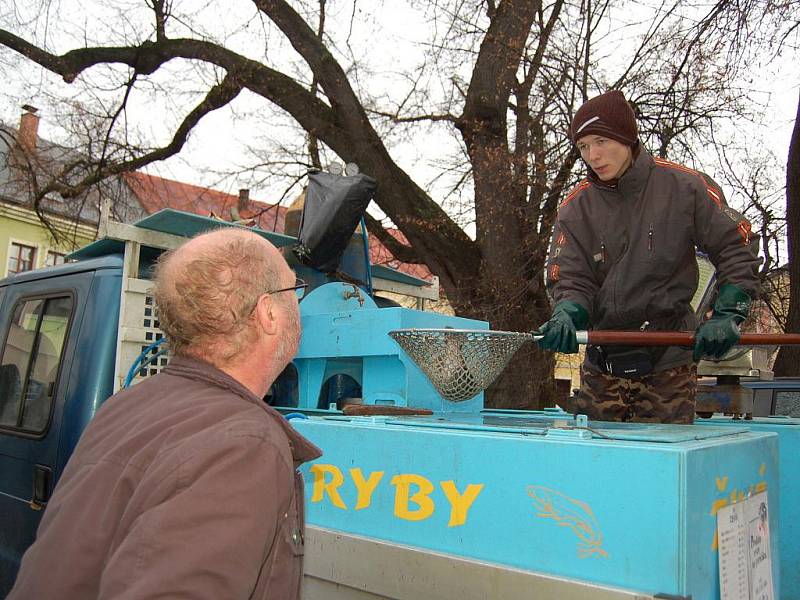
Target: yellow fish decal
x,y
573,514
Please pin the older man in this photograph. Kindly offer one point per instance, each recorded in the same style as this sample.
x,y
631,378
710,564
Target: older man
x,y
186,485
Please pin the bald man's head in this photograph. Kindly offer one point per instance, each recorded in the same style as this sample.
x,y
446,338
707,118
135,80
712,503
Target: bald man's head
x,y
206,290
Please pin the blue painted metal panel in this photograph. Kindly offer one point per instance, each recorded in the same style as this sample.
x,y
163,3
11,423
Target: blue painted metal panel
x,y
634,514
106,262
91,381
344,332
713,484
788,431
390,274
22,454
781,383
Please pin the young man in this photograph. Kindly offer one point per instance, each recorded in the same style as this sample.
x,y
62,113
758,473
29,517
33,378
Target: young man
x,y
186,485
623,257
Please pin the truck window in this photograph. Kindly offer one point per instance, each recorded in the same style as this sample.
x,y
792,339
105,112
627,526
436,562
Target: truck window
x,y
30,361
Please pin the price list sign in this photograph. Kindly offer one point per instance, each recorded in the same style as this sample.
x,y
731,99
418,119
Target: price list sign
x,y
745,564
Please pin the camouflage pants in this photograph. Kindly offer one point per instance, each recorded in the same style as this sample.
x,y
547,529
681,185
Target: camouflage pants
x,y
663,397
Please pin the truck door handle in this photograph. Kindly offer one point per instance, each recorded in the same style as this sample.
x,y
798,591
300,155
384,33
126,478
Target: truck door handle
x,y
41,486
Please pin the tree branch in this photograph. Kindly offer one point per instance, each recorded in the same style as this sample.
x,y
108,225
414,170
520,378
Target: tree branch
x,y
312,114
343,125
400,251
160,9
493,76
217,97
396,118
331,76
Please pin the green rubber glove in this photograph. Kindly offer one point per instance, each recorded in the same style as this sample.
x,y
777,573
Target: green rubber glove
x,y
559,332
721,332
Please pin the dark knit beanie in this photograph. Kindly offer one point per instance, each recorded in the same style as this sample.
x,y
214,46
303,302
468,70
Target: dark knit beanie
x,y
608,115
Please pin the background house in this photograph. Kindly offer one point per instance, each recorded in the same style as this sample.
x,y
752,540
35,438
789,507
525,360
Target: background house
x,y
38,226
35,234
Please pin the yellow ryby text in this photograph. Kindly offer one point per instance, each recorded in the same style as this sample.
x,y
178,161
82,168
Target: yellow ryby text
x,y
413,494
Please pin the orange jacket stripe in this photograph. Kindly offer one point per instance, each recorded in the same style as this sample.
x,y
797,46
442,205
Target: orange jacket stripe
x,y
711,192
554,269
575,191
745,230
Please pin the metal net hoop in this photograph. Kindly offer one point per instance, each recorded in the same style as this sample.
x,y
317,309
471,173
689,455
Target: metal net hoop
x,y
460,363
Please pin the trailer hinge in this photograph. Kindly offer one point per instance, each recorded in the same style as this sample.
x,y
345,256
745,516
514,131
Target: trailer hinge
x,y
569,432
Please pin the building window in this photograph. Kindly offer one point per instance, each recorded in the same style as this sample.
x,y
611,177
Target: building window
x,y
54,258
20,258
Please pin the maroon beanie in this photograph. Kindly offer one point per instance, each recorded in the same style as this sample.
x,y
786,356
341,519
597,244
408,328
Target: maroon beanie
x,y
608,115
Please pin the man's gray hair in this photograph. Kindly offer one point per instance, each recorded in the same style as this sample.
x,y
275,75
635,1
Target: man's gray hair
x,y
204,303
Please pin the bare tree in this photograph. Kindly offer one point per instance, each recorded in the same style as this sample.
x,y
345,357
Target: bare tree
x,y
745,28
515,72
788,361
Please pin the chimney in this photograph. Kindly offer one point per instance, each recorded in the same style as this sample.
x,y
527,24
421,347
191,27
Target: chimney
x,y
244,199
28,128
294,215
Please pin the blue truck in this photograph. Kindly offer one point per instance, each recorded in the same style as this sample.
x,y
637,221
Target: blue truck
x,y
455,501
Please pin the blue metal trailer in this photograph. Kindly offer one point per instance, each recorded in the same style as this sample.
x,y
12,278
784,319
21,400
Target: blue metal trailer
x,y
626,506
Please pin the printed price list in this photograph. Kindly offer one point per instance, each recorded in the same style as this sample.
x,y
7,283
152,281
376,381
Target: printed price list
x,y
745,565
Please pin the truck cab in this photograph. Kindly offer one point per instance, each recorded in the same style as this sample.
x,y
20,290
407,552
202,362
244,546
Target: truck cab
x,y
58,328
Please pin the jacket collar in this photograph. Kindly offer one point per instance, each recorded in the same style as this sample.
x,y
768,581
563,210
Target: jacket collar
x,y
634,180
197,370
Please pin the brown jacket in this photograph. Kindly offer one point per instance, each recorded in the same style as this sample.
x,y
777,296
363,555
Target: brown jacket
x,y
184,486
627,253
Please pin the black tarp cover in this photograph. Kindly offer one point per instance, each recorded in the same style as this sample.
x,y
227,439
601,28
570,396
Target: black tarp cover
x,y
333,208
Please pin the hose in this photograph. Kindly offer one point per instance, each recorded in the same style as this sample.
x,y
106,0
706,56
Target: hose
x,y
140,361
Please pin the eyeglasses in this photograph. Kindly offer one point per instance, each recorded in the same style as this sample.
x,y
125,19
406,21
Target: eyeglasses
x,y
299,289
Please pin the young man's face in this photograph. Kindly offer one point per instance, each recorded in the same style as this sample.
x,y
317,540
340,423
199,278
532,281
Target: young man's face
x,y
607,158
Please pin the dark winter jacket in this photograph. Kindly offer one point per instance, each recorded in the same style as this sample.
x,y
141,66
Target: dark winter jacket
x,y
626,252
184,486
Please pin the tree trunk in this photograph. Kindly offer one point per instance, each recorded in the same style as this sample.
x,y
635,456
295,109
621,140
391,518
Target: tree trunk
x,y
527,381
788,361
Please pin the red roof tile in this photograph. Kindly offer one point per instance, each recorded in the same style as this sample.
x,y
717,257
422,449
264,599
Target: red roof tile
x,y
380,255
156,193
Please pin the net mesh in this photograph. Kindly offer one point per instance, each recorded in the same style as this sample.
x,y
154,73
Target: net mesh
x,y
460,363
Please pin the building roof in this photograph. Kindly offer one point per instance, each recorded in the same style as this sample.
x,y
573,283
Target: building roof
x,y
380,255
47,161
155,193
